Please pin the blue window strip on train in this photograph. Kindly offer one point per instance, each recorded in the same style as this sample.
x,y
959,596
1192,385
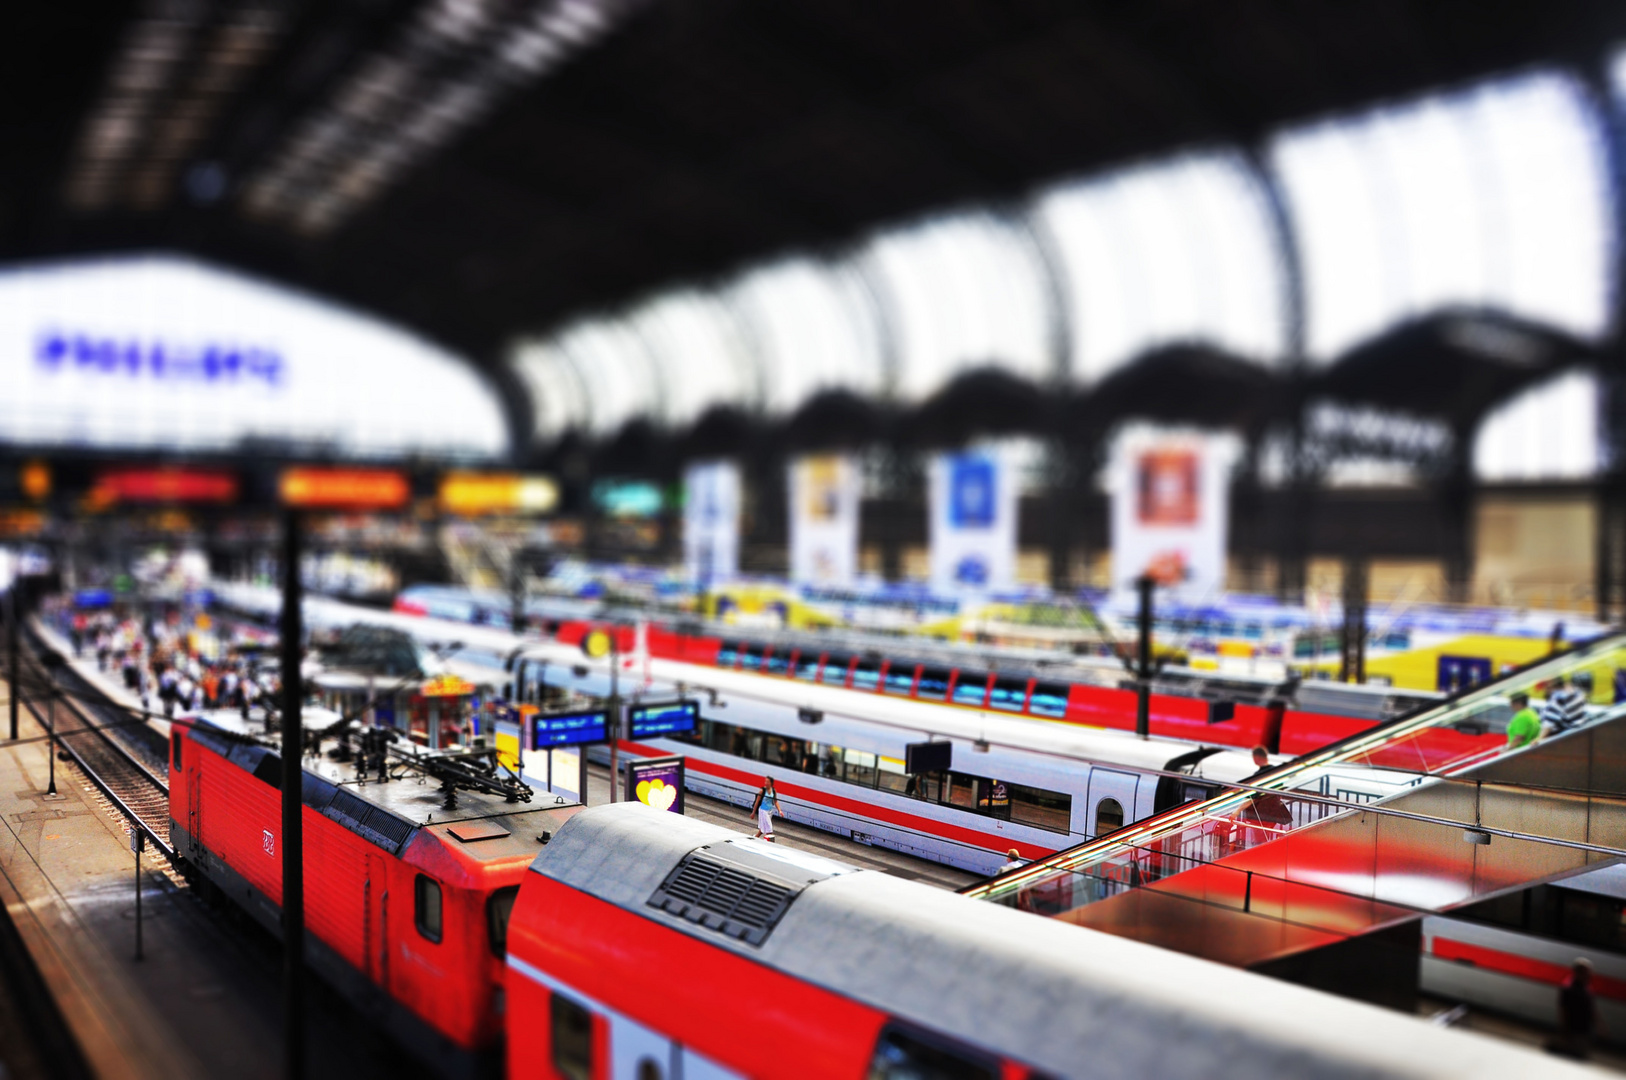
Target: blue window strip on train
x,y
971,689
1049,699
900,679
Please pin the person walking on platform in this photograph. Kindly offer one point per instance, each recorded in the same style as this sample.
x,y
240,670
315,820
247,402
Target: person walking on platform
x,y
1525,727
764,807
1577,1012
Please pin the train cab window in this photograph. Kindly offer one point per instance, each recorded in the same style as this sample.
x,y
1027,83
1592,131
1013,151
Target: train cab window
x,y
570,1033
499,909
1009,694
835,670
807,665
776,662
1048,699
750,657
906,1054
1109,816
728,655
971,688
426,912
900,679
867,674
933,684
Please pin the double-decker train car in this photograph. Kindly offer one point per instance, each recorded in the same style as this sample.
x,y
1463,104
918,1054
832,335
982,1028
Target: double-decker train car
x,y
646,946
410,874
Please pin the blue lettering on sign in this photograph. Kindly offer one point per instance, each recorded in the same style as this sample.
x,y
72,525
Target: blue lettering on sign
x,y
57,350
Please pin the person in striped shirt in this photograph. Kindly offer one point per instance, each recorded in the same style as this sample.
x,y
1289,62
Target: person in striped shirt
x,y
1566,701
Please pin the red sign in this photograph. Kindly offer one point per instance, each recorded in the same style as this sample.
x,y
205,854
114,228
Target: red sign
x,y
164,486
344,489
1168,488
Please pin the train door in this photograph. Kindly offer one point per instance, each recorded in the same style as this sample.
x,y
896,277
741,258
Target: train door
x,y
1111,804
194,810
375,920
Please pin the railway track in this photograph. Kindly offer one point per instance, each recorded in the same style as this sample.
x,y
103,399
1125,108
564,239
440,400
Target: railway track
x,y
105,740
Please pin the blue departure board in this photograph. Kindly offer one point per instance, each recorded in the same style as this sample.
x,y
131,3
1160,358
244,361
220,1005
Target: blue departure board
x,y
568,729
656,721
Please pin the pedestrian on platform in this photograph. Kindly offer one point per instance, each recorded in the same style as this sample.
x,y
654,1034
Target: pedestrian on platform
x,y
1525,727
1566,704
764,807
1577,1012
1013,861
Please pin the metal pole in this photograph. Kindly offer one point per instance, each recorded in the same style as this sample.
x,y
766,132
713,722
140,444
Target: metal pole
x,y
615,713
1143,659
293,867
137,842
50,723
11,650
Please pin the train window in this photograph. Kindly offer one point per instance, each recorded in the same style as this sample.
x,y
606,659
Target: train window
x,y
867,674
860,768
832,763
900,679
728,654
933,684
1109,816
1009,694
499,909
893,778
1049,699
993,798
971,688
1588,919
835,670
1042,809
750,657
777,662
570,1031
907,1054
807,664
175,741
960,790
426,912
778,750
1510,910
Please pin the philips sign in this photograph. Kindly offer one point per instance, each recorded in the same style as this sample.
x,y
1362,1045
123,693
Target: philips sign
x,y
57,350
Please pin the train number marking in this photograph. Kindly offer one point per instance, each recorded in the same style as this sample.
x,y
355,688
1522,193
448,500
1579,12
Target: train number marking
x,y
268,842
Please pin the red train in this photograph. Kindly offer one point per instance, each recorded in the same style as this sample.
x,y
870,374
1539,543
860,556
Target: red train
x,y
406,899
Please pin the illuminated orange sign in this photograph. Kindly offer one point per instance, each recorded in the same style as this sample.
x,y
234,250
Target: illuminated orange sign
x,y
35,478
343,489
447,686
470,494
164,486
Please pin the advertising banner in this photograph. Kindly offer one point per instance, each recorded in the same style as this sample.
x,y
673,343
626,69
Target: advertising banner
x,y
711,522
1169,509
973,521
824,498
656,782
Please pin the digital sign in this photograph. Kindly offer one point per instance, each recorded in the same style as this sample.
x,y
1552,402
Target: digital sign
x,y
343,489
569,729
656,782
163,486
471,494
659,721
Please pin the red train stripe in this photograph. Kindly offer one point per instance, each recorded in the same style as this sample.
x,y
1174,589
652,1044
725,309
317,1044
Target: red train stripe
x,y
1524,967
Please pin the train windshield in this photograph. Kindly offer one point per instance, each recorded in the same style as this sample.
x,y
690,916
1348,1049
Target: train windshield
x,y
835,670
971,689
867,674
933,685
1009,694
807,664
900,679
1048,699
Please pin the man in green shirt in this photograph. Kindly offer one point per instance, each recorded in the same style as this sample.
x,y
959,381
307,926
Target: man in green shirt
x,y
1525,726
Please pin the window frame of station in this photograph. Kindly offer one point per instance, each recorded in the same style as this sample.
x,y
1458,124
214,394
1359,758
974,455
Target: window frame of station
x,y
819,666
955,790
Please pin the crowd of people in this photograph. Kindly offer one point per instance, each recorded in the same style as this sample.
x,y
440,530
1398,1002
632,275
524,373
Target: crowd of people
x,y
165,663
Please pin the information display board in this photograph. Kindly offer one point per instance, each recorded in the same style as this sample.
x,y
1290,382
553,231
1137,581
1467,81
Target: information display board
x,y
569,729
661,721
656,782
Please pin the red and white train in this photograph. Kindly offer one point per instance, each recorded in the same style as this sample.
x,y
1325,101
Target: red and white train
x,y
645,946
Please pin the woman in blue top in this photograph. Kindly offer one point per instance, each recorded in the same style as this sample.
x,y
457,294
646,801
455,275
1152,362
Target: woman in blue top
x,y
765,807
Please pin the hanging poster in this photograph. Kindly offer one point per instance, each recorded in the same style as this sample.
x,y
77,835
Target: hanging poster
x,y
1169,505
973,521
711,522
824,498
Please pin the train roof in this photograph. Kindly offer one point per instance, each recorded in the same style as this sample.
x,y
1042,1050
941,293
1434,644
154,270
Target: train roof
x,y
1064,995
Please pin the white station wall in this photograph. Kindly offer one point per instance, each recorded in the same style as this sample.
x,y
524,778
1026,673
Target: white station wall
x,y
165,353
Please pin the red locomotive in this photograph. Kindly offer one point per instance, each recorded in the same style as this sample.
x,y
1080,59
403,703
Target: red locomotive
x,y
413,861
